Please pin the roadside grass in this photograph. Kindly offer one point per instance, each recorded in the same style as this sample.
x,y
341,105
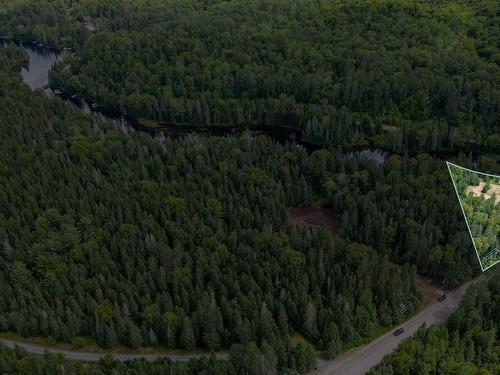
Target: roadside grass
x,y
148,123
88,344
376,332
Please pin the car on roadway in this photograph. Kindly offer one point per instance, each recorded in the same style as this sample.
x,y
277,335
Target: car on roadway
x,y
441,298
399,331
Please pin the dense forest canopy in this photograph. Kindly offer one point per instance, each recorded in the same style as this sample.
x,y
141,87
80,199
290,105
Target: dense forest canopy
x,y
186,243
423,74
124,239
247,360
17,362
469,343
479,195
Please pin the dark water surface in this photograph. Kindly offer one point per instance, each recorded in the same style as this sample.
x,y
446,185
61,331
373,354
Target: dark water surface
x,y
42,59
36,74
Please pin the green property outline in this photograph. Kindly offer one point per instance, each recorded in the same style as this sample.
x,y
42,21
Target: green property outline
x,y
463,211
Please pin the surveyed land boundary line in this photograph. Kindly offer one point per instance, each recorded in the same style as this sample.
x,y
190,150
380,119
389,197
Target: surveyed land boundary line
x,y
494,251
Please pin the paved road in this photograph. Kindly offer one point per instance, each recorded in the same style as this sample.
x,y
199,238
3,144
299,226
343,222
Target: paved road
x,y
96,356
354,362
359,361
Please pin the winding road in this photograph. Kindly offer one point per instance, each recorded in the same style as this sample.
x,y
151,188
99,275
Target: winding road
x,y
96,356
354,362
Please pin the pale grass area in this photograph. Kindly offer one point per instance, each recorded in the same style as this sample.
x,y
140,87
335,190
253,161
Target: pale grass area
x,y
494,189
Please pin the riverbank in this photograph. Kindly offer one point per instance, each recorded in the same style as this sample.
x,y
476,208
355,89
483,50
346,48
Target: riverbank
x,y
41,60
279,133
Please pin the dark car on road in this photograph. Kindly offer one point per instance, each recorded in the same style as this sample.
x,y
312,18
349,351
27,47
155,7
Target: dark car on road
x,y
442,298
399,331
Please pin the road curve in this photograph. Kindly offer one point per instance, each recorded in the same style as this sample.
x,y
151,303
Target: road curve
x,y
358,361
353,362
96,356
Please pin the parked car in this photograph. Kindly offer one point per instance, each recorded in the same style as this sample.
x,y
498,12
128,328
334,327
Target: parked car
x,y
441,298
399,331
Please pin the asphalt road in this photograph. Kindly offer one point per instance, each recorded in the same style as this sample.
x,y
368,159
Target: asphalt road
x,y
358,361
355,362
96,356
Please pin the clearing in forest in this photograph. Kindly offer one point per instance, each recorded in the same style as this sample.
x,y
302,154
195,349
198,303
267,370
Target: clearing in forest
x,y
428,289
303,216
488,190
479,197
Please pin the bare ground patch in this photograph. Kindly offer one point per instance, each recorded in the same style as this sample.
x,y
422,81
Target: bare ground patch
x,y
494,189
303,216
428,290
427,287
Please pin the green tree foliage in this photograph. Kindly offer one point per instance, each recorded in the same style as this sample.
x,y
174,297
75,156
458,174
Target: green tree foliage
x,y
423,73
12,57
18,362
478,195
186,242
45,22
182,243
469,342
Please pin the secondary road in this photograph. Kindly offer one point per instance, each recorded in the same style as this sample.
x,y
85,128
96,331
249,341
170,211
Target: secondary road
x,y
355,362
358,361
96,356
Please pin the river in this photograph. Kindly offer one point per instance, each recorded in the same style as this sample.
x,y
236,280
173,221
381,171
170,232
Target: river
x,y
41,60
36,75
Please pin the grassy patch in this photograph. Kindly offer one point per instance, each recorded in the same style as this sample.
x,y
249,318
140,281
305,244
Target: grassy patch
x,y
148,123
88,344
374,334
297,339
377,332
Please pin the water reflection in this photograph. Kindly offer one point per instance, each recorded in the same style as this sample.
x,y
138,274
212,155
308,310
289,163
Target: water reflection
x,y
36,75
375,155
41,60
